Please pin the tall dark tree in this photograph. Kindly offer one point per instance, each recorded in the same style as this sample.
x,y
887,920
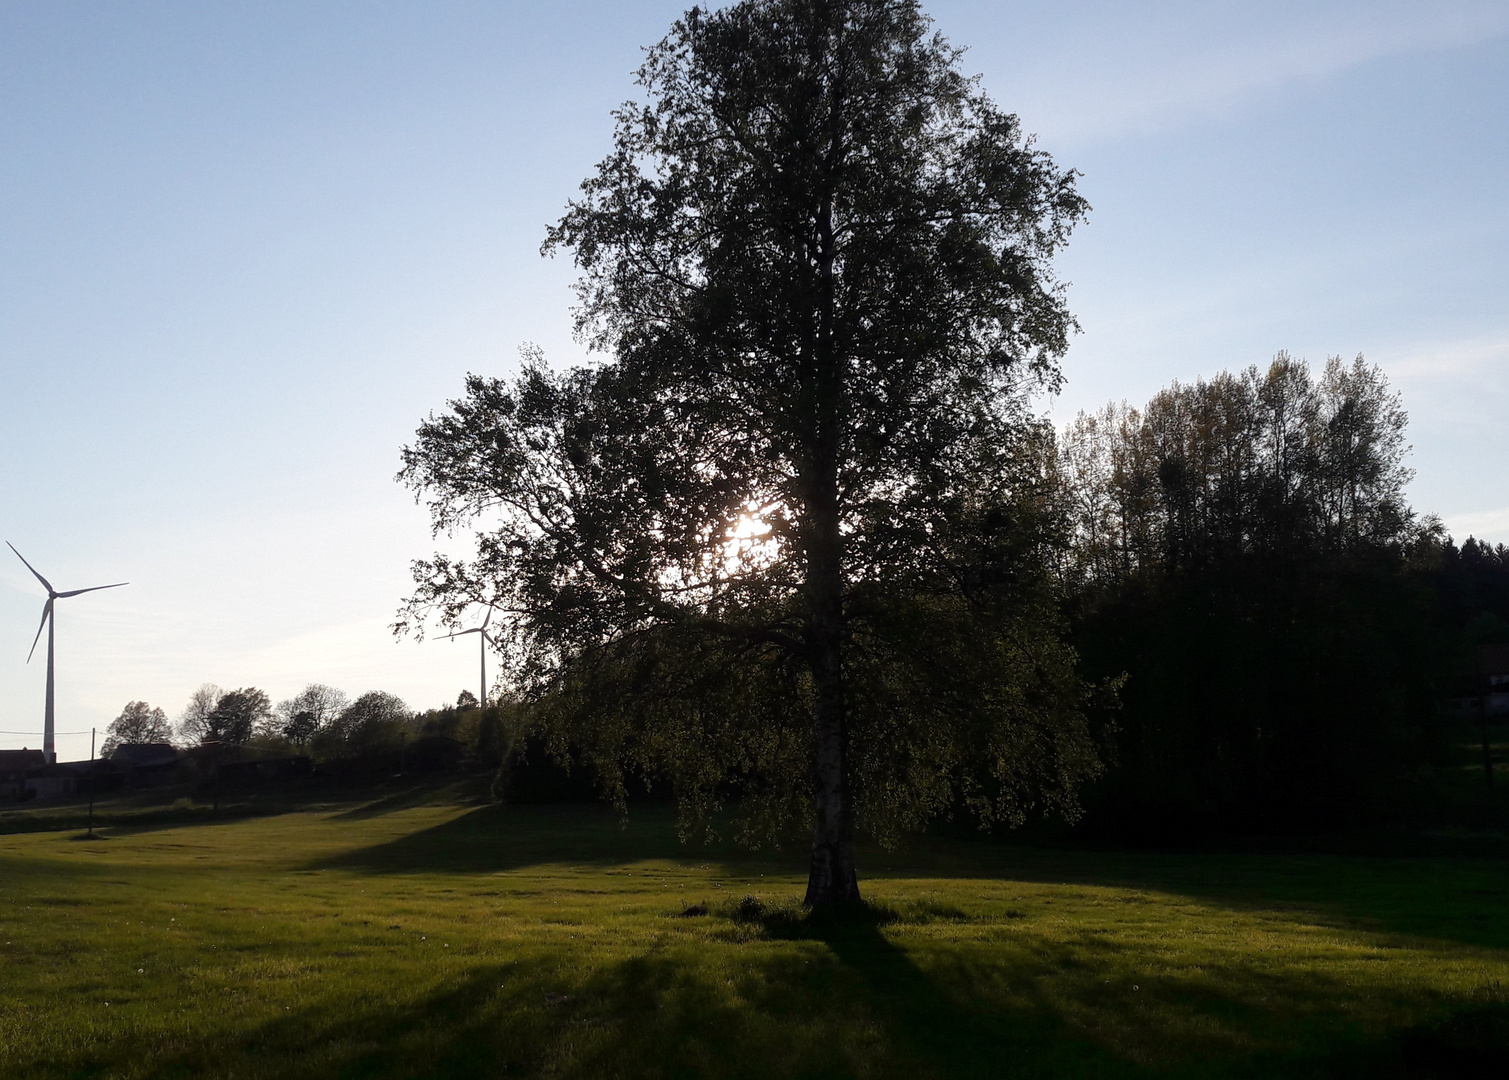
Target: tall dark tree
x,y
783,541
1241,550
193,724
301,717
373,721
137,723
236,716
1276,462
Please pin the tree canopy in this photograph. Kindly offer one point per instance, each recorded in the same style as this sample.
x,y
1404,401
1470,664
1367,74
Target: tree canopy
x,y
310,711
193,723
237,716
138,722
215,717
375,718
1243,551
1272,462
787,543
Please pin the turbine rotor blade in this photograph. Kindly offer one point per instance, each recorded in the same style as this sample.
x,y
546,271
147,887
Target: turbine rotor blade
x,y
45,583
46,613
92,588
463,633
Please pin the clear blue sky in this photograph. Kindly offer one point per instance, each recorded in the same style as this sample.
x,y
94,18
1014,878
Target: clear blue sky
x,y
244,248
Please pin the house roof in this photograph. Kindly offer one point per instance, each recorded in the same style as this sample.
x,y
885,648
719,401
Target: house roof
x,y
85,767
147,753
57,769
18,761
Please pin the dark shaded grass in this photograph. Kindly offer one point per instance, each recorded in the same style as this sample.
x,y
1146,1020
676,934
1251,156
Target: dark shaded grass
x,y
1453,898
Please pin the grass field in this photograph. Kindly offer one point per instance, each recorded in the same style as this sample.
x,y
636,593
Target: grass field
x,y
426,935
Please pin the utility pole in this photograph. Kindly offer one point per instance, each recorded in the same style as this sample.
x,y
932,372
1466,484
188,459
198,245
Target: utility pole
x,y
1487,746
89,779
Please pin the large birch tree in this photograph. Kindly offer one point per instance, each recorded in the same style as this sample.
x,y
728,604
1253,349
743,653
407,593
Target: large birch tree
x,y
782,545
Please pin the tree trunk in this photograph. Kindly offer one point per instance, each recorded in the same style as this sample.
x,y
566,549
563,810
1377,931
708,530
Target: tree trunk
x,y
831,878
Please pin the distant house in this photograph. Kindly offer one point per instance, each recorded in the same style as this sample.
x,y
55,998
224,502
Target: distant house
x,y
56,781
143,754
1493,675
1483,689
15,765
149,764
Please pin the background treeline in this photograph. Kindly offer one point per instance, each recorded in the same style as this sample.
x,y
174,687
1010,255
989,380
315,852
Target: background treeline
x,y
1242,553
1277,632
321,723
241,734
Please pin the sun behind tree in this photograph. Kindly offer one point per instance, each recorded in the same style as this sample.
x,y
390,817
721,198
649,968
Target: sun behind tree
x,y
819,259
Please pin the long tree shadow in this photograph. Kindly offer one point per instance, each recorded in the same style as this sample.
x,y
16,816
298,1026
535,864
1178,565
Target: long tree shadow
x,y
958,1035
964,1022
865,1009
644,1017
871,1014
1450,899
495,838
415,793
1444,898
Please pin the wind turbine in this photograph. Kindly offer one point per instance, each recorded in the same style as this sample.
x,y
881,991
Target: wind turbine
x,y
485,640
49,621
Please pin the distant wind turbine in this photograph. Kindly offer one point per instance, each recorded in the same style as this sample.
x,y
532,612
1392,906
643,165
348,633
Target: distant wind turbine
x,y
484,642
50,621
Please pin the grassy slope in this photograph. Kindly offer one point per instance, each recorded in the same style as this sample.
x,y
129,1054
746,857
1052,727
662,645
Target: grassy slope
x,y
437,939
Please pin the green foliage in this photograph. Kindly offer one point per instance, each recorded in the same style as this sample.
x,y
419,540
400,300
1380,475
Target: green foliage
x,y
819,258
962,698
137,723
1243,553
301,727
488,734
1471,587
1267,693
236,717
308,712
373,723
1276,463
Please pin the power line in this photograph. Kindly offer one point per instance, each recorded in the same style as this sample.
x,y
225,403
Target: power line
x,y
35,732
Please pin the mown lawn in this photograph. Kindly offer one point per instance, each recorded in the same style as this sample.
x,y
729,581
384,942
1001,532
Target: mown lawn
x,y
425,936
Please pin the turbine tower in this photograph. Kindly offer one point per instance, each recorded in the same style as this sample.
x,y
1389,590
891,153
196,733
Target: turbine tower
x,y
486,639
49,621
